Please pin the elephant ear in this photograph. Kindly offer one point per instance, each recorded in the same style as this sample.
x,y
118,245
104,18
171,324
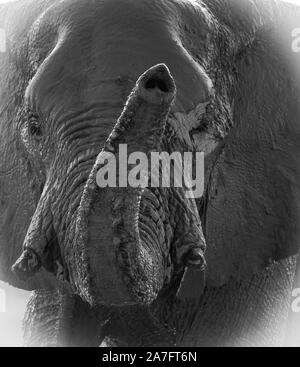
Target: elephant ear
x,y
253,198
19,189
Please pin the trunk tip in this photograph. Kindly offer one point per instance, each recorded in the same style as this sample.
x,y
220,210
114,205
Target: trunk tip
x,y
157,85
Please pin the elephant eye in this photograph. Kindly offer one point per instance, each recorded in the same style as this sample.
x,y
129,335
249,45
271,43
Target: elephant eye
x,y
35,130
31,132
34,127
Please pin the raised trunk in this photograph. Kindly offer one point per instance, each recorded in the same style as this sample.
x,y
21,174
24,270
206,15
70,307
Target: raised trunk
x,y
120,266
124,235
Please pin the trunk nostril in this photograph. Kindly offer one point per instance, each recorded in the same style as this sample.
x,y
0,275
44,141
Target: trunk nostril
x,y
156,85
153,83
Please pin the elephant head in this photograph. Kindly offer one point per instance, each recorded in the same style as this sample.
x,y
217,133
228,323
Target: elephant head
x,y
176,76
113,245
127,241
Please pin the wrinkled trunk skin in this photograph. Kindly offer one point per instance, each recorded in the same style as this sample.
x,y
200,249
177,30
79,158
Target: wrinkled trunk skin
x,y
127,235
120,267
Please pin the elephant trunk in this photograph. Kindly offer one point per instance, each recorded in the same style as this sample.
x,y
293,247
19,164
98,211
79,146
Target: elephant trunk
x,y
123,264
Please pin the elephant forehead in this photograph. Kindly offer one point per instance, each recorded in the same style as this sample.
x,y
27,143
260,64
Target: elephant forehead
x,y
95,52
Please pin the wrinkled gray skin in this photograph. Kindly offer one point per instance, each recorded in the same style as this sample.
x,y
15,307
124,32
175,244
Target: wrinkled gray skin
x,y
107,265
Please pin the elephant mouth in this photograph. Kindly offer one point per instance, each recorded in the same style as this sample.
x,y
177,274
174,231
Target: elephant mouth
x,y
129,241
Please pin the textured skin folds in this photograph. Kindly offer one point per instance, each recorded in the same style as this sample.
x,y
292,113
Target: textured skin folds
x,y
66,77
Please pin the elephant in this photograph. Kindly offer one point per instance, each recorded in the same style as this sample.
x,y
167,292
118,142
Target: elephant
x,y
132,266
